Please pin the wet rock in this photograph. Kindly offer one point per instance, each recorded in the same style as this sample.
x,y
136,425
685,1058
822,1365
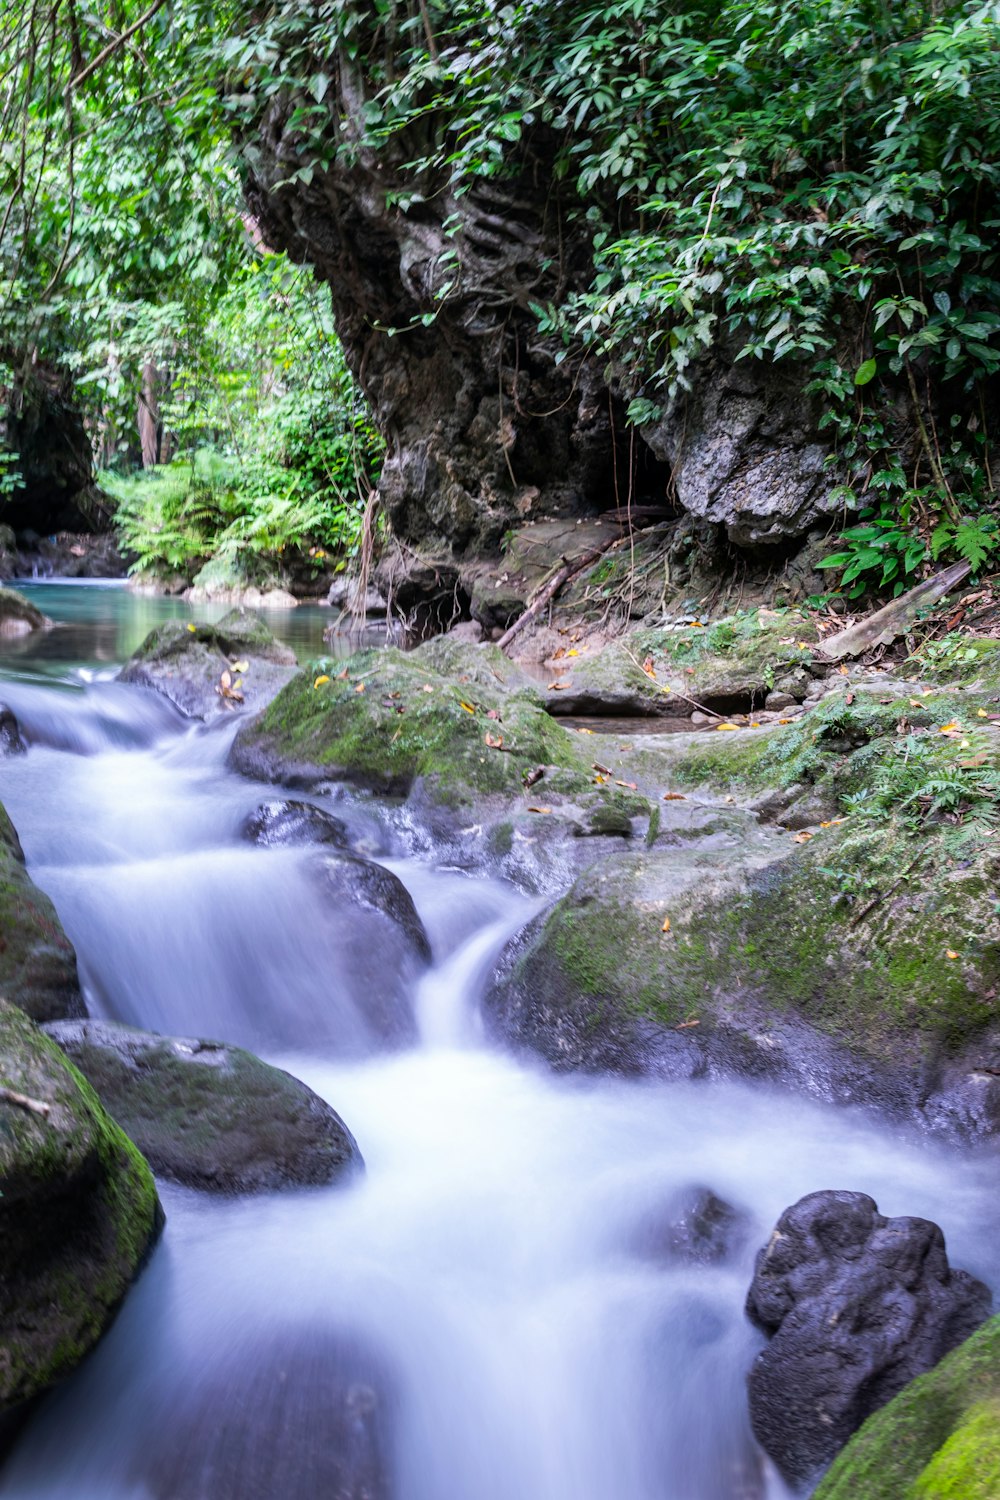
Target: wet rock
x,y
315,1411
17,616
371,887
276,825
855,1305
11,742
187,664
345,595
78,1214
775,701
37,962
696,1226
72,554
210,1115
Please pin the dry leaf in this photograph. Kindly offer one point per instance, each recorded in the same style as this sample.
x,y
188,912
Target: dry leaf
x,y
629,785
359,687
241,666
342,676
803,837
786,721
495,742
557,687
540,809
531,777
683,1025
849,699
674,797
428,687
844,671
647,667
605,770
973,762
491,713
950,953
585,731
227,680
666,925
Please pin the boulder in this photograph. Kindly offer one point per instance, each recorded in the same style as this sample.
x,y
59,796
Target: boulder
x,y
11,741
373,889
278,824
37,962
17,616
209,669
210,1115
695,1226
78,1214
854,1306
938,1440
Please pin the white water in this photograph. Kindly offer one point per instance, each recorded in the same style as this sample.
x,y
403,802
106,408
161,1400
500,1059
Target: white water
x,y
492,1256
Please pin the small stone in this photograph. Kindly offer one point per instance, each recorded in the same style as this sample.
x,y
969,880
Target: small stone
x,y
776,701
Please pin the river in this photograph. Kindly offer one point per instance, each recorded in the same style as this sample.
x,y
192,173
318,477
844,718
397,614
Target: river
x,y
494,1275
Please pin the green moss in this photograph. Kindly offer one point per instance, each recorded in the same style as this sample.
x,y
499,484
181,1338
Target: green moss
x,y
37,962
938,1438
83,1211
388,718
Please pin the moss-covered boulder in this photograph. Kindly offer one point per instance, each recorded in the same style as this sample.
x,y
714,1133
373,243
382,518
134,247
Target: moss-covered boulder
x,y
459,719
210,1115
17,616
78,1213
938,1440
209,669
37,961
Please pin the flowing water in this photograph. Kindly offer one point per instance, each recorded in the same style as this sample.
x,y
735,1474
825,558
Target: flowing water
x,y
495,1275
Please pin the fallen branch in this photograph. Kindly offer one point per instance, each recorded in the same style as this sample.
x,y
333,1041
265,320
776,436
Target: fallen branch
x,y
562,575
36,1106
882,628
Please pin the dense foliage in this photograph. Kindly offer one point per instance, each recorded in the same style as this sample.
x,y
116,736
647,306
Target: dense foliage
x,y
812,181
804,180
126,260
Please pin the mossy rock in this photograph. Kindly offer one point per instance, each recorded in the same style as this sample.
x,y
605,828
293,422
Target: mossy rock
x,y
210,1115
843,966
186,663
78,1213
390,719
938,1440
37,962
17,616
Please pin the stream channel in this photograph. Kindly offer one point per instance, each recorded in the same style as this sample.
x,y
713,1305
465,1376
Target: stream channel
x,y
492,1283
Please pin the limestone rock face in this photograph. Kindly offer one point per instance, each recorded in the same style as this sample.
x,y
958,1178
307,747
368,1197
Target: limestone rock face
x,y
855,1305
78,1213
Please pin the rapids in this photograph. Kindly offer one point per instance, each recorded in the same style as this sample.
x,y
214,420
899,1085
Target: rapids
x,y
491,1271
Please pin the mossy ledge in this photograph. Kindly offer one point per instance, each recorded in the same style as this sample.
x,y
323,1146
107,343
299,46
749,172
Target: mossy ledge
x,y
938,1440
78,1215
37,962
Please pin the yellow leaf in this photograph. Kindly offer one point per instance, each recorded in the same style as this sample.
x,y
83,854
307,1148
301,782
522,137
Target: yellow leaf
x,y
803,837
192,627
573,653
320,680
467,706
950,728
981,713
915,703
666,925
726,726
844,671
950,953
786,721
585,731
241,666
360,687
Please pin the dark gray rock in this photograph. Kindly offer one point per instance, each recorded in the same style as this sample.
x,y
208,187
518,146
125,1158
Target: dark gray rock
x,y
373,888
855,1305
11,742
190,664
694,1226
279,824
37,962
210,1115
17,616
745,452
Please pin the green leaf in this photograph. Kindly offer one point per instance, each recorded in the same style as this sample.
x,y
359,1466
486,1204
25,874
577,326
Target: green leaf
x,y
865,373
